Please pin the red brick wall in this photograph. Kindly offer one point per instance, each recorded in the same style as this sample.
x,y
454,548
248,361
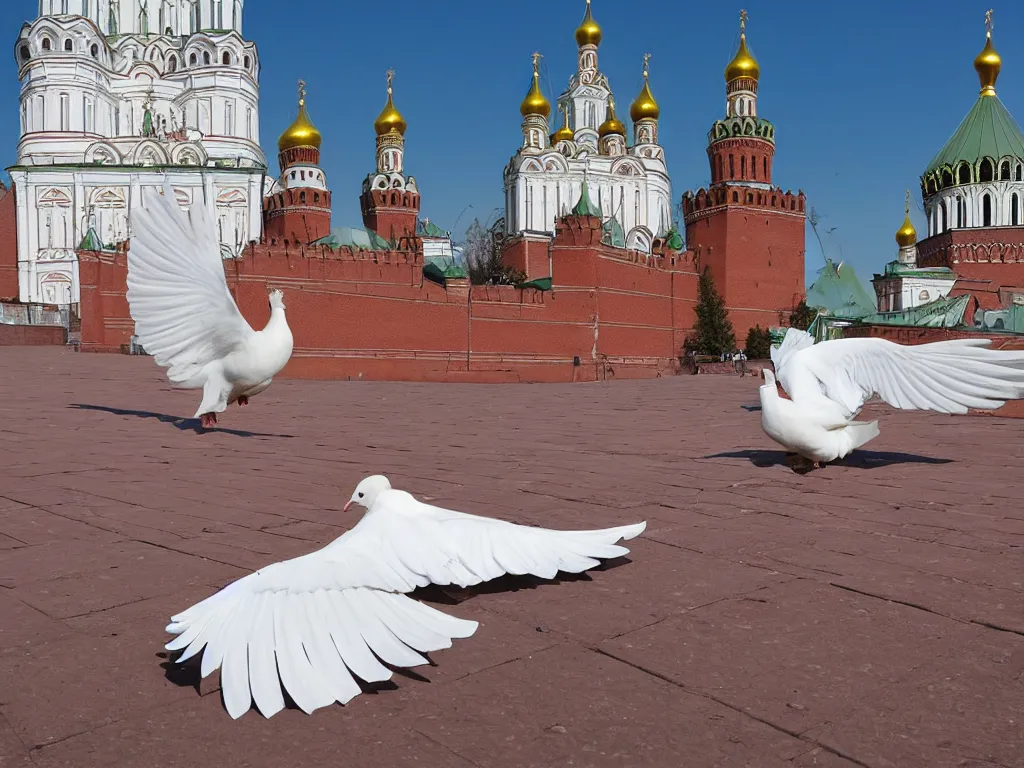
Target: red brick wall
x,y
299,215
372,315
390,213
31,335
8,245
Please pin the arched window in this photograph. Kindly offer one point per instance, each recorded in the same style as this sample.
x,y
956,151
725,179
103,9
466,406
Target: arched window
x,y
1018,172
735,197
226,58
753,167
172,64
764,167
986,211
732,167
947,178
960,211
46,43
248,62
743,167
95,51
720,171
316,197
986,170
943,218
1004,171
1014,210
302,197
964,174
192,60
206,57
68,45
24,53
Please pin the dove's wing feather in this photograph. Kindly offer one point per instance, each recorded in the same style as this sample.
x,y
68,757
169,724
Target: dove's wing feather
x,y
794,341
314,623
177,293
946,376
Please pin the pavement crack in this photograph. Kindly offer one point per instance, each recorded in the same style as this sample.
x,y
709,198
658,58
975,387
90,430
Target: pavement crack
x,y
997,627
896,600
443,746
721,702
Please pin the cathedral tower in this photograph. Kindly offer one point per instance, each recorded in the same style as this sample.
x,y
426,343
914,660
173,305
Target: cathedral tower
x,y
299,208
390,200
744,227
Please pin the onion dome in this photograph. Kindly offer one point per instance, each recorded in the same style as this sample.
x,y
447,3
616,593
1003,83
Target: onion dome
x,y
535,103
588,32
743,64
390,119
906,235
988,62
612,124
644,106
565,133
301,133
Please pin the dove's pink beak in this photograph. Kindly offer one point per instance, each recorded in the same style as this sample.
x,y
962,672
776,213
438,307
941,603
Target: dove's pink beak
x,y
349,504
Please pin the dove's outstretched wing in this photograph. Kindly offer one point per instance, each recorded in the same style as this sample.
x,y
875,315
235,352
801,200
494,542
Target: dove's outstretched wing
x,y
316,622
945,376
794,341
184,313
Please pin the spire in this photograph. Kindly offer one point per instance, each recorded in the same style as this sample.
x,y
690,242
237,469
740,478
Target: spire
x,y
588,32
390,119
301,133
906,235
535,103
644,106
743,64
585,207
988,63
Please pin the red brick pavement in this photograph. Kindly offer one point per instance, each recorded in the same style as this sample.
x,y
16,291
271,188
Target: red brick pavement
x,y
869,614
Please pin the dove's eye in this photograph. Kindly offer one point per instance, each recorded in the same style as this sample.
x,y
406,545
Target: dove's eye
x,y
360,494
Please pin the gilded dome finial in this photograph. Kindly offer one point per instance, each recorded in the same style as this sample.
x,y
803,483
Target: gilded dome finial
x,y
565,133
301,133
988,63
906,235
612,124
588,32
535,103
644,105
390,119
743,64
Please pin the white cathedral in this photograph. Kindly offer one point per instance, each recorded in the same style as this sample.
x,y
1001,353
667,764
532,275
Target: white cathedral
x,y
117,95
629,184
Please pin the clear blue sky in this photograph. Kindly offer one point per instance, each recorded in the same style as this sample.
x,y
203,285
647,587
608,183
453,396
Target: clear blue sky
x,y
862,95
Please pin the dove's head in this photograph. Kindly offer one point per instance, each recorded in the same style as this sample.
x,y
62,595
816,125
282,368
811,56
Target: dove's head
x,y
368,490
276,299
769,378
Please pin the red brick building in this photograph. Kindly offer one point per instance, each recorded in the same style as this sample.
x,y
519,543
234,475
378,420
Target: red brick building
x,y
744,227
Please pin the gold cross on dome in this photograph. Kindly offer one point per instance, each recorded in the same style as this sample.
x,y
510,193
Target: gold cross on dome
x,y
302,91
743,21
647,59
536,60
390,75
988,21
907,206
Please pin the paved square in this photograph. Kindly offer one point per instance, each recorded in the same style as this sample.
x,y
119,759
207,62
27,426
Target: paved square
x,y
870,614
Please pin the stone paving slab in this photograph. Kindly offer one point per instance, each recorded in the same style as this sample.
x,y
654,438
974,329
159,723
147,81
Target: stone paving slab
x,y
870,614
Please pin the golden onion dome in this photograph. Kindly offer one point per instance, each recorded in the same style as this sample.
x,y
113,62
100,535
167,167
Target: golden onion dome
x,y
588,32
612,124
906,235
389,119
988,63
644,106
743,64
565,133
301,133
535,103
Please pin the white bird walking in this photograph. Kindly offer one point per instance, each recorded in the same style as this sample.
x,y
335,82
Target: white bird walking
x,y
318,620
829,382
185,315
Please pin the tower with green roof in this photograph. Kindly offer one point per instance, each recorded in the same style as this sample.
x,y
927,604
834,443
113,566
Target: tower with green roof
x,y
977,179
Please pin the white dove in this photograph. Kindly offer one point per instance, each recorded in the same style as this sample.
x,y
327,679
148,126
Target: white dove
x,y
320,619
829,382
185,315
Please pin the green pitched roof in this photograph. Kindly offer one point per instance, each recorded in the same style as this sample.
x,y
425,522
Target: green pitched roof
x,y
585,207
92,242
838,290
428,228
612,234
354,238
989,130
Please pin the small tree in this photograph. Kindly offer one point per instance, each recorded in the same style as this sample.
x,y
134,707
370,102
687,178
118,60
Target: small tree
x,y
759,343
712,333
483,257
802,317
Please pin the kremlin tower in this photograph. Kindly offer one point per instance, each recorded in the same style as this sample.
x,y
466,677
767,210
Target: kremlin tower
x,y
390,201
299,206
747,230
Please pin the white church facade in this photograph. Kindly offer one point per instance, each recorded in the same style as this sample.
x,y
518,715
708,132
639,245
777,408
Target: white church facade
x,y
629,184
117,95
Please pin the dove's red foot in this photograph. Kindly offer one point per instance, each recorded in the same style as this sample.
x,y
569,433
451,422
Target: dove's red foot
x,y
208,420
243,401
